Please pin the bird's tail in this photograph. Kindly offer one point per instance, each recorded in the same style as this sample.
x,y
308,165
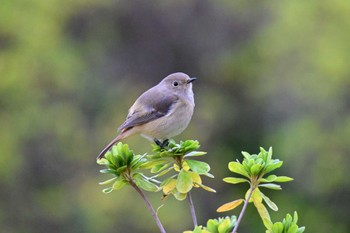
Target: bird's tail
x,y
114,141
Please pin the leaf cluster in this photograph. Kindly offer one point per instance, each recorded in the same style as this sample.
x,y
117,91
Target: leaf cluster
x,y
220,225
184,173
128,168
125,166
176,157
252,170
288,225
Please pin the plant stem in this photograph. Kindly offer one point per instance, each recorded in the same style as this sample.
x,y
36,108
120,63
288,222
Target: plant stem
x,y
243,209
149,205
193,212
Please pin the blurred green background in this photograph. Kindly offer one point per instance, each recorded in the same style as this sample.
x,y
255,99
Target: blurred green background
x,y
270,73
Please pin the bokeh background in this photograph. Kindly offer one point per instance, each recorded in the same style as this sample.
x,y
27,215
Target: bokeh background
x,y
270,73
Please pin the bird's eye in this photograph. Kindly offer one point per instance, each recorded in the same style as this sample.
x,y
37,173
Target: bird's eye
x,y
175,84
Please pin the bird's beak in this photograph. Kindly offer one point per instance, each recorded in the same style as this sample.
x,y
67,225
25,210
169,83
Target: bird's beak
x,y
191,80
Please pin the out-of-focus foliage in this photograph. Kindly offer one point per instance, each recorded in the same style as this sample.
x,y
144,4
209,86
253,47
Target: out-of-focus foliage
x,y
269,73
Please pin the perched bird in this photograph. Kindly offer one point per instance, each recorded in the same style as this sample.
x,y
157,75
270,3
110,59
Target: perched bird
x,y
160,113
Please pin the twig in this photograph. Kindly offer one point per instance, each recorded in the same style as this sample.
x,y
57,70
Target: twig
x,y
243,209
193,212
149,205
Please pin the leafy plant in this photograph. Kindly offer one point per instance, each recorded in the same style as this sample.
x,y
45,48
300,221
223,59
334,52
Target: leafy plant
x,y
178,158
125,166
180,173
252,171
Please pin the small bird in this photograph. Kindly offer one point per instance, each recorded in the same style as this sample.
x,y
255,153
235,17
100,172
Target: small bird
x,y
160,113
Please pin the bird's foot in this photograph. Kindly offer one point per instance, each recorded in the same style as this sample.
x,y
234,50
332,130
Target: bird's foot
x,y
162,144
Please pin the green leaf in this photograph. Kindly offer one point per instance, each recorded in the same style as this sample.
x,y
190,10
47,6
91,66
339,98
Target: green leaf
x,y
270,153
108,156
197,229
180,196
159,167
208,175
238,168
103,161
108,181
184,182
234,180
292,229
151,164
122,169
270,178
246,155
145,184
224,225
164,172
256,169
295,217
271,186
277,227
107,190
255,195
283,179
268,201
212,225
198,166
119,183
138,161
267,223
108,171
273,166
195,153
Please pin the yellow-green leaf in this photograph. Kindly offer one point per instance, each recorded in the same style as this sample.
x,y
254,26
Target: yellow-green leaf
x,y
184,182
238,168
223,227
119,183
207,188
255,195
180,196
235,180
264,214
196,179
108,181
277,227
283,179
169,186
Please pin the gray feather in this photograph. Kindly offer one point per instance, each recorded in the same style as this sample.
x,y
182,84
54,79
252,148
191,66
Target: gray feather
x,y
152,110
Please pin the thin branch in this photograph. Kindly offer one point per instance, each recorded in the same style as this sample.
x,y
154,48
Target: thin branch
x,y
193,212
149,205
243,209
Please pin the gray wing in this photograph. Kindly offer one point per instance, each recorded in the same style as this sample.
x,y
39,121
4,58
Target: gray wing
x,y
156,106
